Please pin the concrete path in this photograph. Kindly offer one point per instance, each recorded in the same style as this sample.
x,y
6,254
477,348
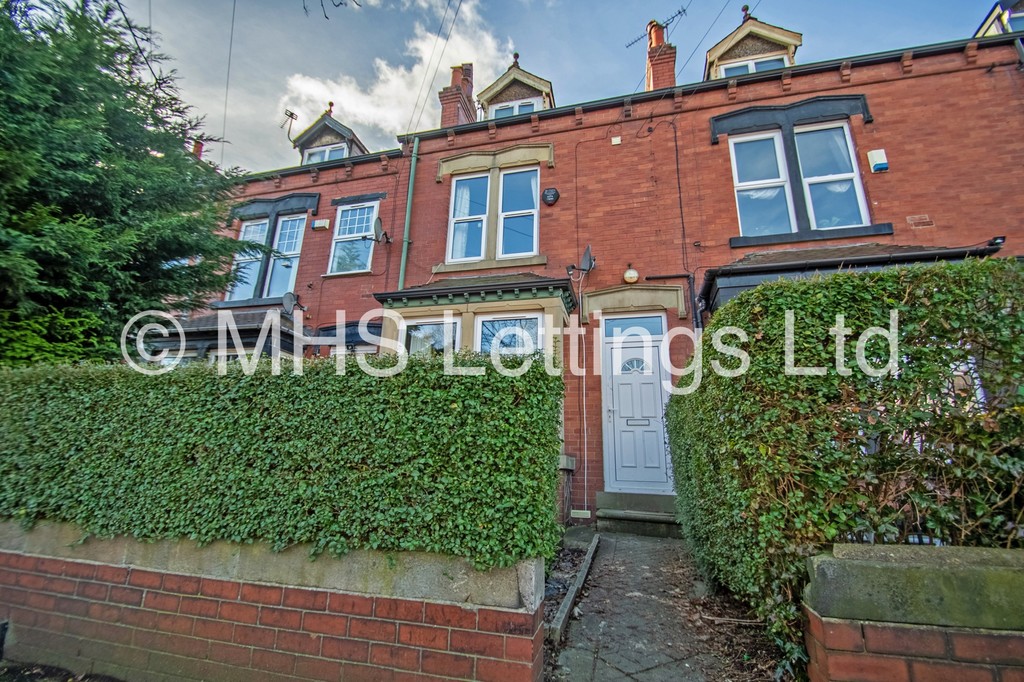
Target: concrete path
x,y
634,623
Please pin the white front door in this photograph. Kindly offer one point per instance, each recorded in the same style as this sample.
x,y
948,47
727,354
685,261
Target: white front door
x,y
635,452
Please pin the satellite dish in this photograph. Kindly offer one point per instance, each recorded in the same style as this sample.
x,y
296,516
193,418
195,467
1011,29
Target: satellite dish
x,y
588,262
289,301
378,229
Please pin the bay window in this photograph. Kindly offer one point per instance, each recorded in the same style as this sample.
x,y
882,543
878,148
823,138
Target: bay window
x,y
509,334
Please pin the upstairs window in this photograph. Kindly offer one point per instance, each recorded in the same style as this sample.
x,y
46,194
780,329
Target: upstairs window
x,y
284,263
514,108
468,215
1016,22
352,248
270,275
823,170
752,66
325,153
510,217
248,266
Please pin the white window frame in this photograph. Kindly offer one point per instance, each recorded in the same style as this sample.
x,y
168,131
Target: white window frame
x,y
348,238
483,217
248,259
290,254
780,155
479,324
406,322
853,175
326,149
751,65
537,102
535,212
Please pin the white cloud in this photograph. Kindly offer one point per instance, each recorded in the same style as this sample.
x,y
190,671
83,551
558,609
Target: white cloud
x,y
380,110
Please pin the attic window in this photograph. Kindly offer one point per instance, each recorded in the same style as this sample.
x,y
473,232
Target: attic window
x,y
752,66
514,108
325,153
1015,22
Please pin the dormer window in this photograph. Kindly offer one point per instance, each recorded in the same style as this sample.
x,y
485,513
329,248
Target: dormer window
x,y
752,66
325,153
514,108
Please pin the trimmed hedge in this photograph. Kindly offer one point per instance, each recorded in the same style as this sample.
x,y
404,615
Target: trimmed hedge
x,y
771,468
465,466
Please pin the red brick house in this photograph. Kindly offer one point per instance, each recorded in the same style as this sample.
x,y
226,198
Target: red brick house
x,y
678,191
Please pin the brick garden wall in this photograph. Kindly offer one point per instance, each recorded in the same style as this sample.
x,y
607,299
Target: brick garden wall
x,y
906,613
158,625
864,651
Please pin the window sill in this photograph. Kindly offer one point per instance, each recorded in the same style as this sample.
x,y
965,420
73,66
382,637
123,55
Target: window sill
x,y
812,235
490,264
332,275
246,303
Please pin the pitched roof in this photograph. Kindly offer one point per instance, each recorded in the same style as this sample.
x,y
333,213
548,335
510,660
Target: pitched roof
x,y
516,73
326,120
751,26
721,284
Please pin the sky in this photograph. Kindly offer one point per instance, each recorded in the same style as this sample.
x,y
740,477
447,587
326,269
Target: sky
x,y
382,64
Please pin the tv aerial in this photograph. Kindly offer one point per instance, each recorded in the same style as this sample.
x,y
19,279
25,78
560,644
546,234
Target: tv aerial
x,y
289,118
678,13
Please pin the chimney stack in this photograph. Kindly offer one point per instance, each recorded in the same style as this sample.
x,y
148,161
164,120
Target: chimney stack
x,y
457,99
661,59
197,149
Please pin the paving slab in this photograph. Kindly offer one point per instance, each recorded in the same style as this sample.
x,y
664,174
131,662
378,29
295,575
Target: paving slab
x,y
632,623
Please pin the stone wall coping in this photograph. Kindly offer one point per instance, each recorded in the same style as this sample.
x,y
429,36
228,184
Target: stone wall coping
x,y
945,586
405,575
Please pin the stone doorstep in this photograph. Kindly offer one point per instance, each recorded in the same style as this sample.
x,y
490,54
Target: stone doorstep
x,y
637,502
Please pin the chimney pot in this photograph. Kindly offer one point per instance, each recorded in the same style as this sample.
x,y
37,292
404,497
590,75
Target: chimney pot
x,y
661,59
197,149
655,34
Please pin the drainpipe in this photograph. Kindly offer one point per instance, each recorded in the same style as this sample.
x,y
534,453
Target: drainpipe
x,y
408,213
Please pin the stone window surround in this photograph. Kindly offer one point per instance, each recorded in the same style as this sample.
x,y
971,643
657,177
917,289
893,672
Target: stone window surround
x,y
492,163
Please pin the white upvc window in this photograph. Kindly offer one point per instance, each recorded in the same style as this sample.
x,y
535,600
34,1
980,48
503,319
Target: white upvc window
x,y
430,335
517,219
515,107
831,181
511,334
352,248
285,262
761,179
746,66
248,265
468,218
328,152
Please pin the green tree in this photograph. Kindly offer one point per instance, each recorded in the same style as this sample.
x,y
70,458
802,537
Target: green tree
x,y
104,212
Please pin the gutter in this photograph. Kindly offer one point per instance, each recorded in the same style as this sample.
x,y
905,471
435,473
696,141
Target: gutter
x,y
428,292
803,266
722,83
408,214
324,165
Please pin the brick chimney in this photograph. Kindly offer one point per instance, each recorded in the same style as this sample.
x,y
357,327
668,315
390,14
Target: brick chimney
x,y
457,99
661,59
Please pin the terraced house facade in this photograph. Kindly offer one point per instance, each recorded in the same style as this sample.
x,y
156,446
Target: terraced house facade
x,y
516,217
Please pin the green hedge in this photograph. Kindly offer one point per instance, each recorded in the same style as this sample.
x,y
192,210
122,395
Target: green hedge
x,y
771,468
464,466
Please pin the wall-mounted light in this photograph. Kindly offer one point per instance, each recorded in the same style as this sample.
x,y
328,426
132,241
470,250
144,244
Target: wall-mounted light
x,y
630,276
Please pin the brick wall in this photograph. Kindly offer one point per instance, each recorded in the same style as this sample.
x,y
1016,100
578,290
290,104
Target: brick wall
x,y
842,650
143,625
